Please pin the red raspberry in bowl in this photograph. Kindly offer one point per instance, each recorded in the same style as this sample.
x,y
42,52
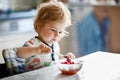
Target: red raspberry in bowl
x,y
69,67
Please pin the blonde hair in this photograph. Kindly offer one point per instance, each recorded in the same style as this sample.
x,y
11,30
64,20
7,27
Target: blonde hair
x,y
52,11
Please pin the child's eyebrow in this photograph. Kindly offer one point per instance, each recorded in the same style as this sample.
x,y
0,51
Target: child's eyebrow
x,y
52,26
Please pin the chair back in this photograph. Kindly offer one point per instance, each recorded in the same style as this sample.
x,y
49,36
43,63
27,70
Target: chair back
x,y
14,64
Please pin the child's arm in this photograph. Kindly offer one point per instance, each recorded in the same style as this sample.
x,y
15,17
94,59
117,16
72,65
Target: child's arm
x,y
26,51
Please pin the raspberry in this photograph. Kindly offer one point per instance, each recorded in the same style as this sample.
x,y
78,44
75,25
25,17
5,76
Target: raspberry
x,y
72,63
65,62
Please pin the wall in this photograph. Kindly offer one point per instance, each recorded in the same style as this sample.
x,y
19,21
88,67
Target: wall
x,y
114,42
14,40
14,32
70,43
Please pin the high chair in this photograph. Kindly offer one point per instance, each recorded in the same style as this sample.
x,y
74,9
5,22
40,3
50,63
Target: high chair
x,y
14,64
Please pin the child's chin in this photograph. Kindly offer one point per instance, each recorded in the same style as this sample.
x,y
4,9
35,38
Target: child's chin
x,y
52,42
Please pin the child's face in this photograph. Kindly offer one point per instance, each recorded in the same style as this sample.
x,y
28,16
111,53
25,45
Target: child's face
x,y
52,32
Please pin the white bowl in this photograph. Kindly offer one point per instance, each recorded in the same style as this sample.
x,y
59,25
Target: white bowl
x,y
68,68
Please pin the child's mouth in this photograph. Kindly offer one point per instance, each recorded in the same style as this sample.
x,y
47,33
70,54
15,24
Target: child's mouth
x,y
54,39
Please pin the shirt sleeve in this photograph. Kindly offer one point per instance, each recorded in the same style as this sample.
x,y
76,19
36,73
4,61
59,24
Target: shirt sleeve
x,y
30,42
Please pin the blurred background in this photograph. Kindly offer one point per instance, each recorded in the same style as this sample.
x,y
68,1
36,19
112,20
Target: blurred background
x,y
95,25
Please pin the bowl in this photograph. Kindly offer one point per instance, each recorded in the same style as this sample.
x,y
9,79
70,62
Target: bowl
x,y
69,68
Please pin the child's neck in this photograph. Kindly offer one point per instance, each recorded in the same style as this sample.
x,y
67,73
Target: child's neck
x,y
44,41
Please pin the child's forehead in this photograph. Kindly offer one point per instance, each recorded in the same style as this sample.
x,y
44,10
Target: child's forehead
x,y
57,24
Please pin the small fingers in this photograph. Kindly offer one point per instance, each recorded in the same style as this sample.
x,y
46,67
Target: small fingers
x,y
45,49
70,55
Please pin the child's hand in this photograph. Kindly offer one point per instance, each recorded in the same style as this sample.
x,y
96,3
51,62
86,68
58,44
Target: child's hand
x,y
70,55
44,49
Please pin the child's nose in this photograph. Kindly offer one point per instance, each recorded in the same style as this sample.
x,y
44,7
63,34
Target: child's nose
x,y
56,35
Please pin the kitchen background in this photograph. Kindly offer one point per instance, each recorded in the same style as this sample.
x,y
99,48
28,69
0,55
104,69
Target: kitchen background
x,y
86,36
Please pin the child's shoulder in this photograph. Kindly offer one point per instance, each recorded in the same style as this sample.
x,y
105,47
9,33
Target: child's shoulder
x,y
34,41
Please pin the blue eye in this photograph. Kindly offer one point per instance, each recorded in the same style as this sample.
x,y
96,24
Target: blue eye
x,y
60,32
53,30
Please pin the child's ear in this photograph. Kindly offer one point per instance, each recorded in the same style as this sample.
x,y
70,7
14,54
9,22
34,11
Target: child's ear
x,y
37,27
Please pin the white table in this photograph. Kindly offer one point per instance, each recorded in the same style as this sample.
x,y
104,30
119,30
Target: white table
x,y
96,66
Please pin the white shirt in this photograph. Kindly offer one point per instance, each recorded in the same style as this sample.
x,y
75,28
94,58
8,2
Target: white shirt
x,y
40,60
